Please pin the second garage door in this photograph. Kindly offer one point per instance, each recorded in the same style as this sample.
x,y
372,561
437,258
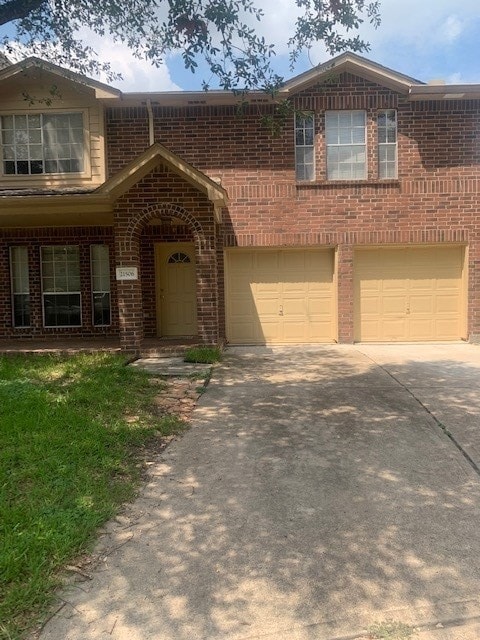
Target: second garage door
x,y
280,296
409,294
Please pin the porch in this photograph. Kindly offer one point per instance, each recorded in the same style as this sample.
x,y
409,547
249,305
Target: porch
x,y
150,347
140,282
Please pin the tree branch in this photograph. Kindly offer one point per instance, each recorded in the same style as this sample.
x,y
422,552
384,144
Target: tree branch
x,y
17,9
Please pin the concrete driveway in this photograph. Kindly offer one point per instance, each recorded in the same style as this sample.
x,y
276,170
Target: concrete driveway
x,y
319,491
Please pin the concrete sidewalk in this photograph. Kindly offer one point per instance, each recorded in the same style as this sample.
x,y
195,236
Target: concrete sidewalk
x,y
317,493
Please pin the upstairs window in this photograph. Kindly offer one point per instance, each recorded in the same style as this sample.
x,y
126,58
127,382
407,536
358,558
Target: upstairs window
x,y
387,143
304,146
42,143
346,145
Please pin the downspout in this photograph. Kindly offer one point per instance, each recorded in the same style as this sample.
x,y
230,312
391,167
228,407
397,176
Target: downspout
x,y
151,132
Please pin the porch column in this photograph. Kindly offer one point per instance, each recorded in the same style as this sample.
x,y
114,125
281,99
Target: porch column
x,y
345,293
129,291
207,291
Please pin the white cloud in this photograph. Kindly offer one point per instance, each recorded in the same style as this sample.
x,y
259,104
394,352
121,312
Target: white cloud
x,y
412,38
426,39
278,23
455,78
452,28
138,75
421,24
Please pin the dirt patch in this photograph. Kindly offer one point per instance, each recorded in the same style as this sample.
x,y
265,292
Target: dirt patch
x,y
179,397
176,397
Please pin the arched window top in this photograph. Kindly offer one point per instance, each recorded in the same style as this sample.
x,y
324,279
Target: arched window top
x,y
177,257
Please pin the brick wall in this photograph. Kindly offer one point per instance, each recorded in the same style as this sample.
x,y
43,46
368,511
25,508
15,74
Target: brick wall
x,y
162,194
83,237
434,200
143,217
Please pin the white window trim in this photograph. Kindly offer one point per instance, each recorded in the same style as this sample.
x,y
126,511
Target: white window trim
x,y
79,293
94,291
12,292
304,146
45,177
364,144
395,177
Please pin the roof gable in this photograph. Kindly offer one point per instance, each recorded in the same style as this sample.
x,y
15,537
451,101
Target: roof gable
x,y
101,90
138,168
356,65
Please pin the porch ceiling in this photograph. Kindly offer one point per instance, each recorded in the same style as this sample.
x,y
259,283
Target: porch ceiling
x,y
59,210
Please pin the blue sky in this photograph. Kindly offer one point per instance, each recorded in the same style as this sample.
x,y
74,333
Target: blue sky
x,y
426,39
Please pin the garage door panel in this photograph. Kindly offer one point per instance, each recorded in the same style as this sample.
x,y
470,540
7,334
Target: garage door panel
x,y
422,284
290,292
423,304
295,260
392,328
319,262
293,330
371,308
446,304
419,295
294,288
293,306
322,290
447,329
242,307
448,284
265,312
267,262
270,330
320,307
392,305
243,262
421,328
241,284
244,330
318,330
393,285
264,287
370,329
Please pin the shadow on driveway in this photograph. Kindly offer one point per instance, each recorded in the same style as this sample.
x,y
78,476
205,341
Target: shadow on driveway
x,y
315,495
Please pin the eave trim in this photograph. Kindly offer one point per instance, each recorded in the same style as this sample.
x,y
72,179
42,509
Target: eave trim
x,y
357,65
102,91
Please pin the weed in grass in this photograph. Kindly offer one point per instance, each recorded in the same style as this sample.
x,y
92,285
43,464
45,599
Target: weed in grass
x,y
203,355
390,630
205,377
171,424
197,375
68,458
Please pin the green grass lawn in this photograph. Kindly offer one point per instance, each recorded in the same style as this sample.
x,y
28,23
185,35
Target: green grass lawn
x,y
71,430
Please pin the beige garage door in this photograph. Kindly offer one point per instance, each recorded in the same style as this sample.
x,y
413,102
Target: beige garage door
x,y
409,294
280,296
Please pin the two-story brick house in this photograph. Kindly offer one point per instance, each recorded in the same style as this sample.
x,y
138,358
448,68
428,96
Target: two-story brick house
x,y
164,215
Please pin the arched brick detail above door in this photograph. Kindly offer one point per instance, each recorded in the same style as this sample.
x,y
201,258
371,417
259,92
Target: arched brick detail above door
x,y
137,224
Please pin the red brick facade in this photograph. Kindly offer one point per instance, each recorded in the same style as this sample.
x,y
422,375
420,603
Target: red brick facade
x,y
433,201
35,238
